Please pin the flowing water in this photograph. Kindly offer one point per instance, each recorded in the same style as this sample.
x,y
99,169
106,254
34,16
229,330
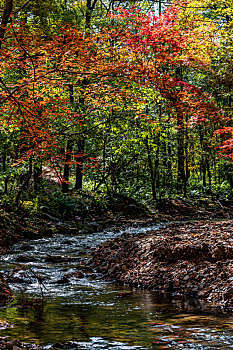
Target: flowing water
x,y
83,311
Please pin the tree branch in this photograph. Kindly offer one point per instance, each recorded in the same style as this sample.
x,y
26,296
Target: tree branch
x,y
21,7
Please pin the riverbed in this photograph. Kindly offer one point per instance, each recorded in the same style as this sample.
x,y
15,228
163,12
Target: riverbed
x,y
77,309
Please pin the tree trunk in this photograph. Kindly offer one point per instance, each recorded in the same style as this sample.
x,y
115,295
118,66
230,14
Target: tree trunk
x,y
209,176
37,176
151,169
187,171
5,18
81,141
181,178
80,163
66,173
4,158
24,185
156,163
203,166
89,9
160,7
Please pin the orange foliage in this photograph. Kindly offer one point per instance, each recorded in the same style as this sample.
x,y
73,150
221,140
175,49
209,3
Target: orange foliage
x,y
107,69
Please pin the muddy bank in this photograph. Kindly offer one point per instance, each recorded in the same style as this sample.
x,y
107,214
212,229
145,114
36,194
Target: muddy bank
x,y
5,292
194,259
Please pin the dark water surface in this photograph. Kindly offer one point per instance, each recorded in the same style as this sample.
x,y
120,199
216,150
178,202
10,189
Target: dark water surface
x,y
90,313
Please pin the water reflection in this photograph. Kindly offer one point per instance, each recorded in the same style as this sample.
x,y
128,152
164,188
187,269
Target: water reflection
x,y
89,313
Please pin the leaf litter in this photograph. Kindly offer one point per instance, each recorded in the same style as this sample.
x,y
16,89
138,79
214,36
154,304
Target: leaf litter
x,y
192,258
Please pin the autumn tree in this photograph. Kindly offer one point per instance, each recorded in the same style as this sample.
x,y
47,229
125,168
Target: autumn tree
x,y
122,88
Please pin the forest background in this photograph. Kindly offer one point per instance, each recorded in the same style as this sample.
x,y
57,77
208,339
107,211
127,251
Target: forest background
x,y
114,99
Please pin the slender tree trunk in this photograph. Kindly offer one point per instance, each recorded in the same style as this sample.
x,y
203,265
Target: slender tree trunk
x,y
81,147
181,178
203,168
25,184
66,173
156,163
71,91
67,153
88,14
5,19
169,176
157,154
37,172
215,170
4,159
80,164
209,175
90,5
169,162
187,171
160,7
151,169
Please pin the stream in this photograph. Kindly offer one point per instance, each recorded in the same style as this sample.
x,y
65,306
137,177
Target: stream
x,y
83,311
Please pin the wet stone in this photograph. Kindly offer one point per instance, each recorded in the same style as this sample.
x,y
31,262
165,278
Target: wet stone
x,y
26,247
25,258
58,346
12,344
79,274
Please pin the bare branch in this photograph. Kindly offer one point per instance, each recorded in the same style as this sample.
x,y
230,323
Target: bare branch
x,y
21,7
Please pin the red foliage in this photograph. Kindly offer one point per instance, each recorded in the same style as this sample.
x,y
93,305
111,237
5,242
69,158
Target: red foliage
x,y
137,49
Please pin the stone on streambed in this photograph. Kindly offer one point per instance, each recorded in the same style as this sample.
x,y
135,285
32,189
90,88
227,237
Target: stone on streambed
x,y
25,258
15,344
59,258
26,247
11,345
63,280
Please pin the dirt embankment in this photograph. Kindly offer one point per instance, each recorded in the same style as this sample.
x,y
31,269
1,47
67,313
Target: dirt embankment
x,y
194,259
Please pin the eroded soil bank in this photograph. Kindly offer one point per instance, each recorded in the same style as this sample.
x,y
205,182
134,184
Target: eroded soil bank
x,y
194,259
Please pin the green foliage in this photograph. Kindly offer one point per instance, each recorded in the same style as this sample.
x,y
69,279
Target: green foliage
x,y
131,138
65,206
224,190
57,204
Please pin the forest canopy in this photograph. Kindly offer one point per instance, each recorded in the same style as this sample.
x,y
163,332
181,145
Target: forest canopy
x,y
116,97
